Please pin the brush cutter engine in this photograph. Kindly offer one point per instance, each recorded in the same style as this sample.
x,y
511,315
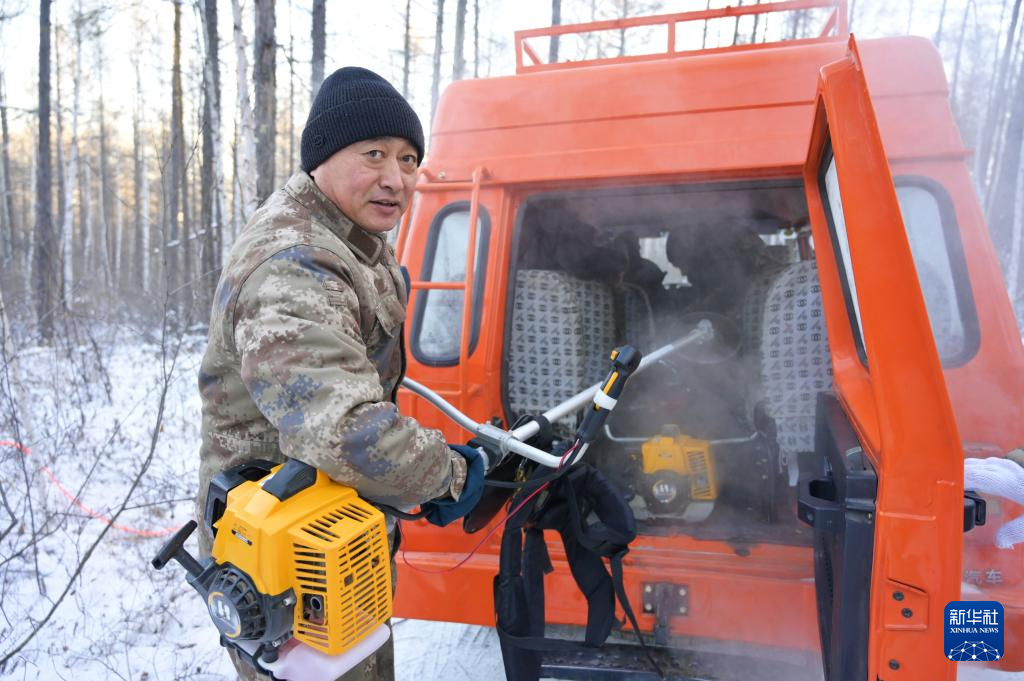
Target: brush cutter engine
x,y
300,567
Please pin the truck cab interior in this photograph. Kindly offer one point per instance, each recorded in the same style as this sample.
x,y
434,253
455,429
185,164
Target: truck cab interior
x,y
644,265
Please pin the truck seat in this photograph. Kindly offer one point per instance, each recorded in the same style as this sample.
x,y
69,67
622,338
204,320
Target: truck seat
x,y
562,331
752,313
795,360
638,324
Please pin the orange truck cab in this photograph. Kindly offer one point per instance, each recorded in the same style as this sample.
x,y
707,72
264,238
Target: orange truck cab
x,y
811,198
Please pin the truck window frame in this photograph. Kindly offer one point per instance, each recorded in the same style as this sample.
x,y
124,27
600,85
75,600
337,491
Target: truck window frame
x,y
479,277
852,313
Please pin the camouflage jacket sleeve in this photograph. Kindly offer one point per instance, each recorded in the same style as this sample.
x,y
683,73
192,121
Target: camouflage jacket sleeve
x,y
305,365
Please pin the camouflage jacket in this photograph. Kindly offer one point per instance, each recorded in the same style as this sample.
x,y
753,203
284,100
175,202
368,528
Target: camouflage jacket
x,y
305,356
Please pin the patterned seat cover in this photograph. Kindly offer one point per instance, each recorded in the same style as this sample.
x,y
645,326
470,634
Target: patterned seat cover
x,y
795,360
562,331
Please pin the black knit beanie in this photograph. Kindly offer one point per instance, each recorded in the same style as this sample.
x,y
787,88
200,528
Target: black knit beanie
x,y
355,104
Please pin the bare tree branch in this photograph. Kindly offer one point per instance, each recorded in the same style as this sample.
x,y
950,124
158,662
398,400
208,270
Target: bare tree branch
x,y
167,369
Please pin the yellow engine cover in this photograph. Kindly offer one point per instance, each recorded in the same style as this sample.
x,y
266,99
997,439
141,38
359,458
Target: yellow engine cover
x,y
326,544
674,451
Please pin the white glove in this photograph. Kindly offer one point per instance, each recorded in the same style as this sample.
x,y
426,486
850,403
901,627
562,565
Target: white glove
x,y
1002,478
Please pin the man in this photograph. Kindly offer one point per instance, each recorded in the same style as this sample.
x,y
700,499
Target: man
x,y
305,351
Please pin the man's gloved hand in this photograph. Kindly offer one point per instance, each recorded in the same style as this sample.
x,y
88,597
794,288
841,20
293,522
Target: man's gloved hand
x,y
492,457
446,510
1003,478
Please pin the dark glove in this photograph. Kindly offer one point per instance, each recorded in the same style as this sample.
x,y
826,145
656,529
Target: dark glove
x,y
444,511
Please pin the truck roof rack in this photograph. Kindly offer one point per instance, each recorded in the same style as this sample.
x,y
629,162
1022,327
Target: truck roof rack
x,y
834,27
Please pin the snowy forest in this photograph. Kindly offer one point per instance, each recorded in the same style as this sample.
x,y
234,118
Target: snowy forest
x,y
138,137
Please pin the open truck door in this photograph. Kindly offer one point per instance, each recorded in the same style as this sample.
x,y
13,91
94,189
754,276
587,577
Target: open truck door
x,y
886,500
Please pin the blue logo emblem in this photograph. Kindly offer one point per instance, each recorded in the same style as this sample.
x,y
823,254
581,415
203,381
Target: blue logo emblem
x,y
974,631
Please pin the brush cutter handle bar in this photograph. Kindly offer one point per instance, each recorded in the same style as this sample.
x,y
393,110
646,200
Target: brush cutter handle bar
x,y
503,440
703,332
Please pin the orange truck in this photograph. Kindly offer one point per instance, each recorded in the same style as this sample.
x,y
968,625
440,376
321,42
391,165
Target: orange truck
x,y
811,197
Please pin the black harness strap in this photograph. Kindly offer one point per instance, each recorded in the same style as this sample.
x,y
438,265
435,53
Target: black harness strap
x,y
579,494
620,591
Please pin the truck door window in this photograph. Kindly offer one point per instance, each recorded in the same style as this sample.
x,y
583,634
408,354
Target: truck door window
x,y
437,324
832,196
938,256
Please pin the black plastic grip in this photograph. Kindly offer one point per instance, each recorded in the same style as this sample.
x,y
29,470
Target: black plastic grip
x,y
293,477
625,360
975,510
175,549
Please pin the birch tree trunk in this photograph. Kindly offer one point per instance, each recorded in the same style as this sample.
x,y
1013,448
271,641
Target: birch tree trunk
x,y
104,194
556,20
236,204
71,175
186,246
61,171
319,32
5,227
435,84
265,83
211,187
245,148
476,38
43,258
1005,188
85,211
704,39
459,66
407,49
118,244
942,20
624,12
959,52
994,109
173,240
82,178
28,210
11,235
1004,145
290,165
102,231
139,170
145,245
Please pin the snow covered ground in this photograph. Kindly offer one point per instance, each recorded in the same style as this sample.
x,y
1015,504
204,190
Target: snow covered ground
x,y
88,413
121,619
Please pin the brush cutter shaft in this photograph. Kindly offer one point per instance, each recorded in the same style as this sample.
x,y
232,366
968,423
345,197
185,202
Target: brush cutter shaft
x,y
703,332
504,440
512,441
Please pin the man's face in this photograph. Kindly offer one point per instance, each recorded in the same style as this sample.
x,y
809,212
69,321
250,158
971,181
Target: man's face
x,y
371,181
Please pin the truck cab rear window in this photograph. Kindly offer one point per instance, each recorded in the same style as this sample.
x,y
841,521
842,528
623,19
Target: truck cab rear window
x,y
941,270
437,324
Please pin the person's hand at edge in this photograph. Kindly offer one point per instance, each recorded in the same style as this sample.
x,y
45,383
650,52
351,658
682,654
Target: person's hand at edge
x,y
999,477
